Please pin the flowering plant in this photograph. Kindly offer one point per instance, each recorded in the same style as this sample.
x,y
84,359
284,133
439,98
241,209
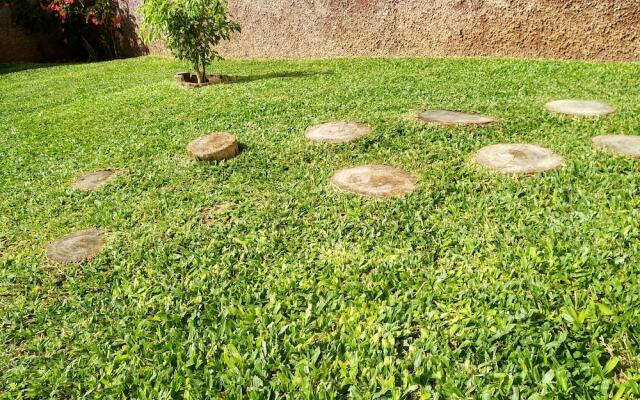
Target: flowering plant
x,y
89,24
95,12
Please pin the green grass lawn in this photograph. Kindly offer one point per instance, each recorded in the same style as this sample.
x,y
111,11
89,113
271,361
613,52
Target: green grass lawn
x,y
476,285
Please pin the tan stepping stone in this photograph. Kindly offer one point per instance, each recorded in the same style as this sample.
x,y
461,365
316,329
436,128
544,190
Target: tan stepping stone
x,y
217,146
580,108
518,158
626,145
207,214
337,132
77,247
450,118
374,180
94,180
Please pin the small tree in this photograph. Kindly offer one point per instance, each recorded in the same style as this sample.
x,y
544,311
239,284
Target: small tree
x,y
190,29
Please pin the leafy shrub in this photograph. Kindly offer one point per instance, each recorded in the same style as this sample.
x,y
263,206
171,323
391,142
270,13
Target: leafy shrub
x,y
89,24
190,28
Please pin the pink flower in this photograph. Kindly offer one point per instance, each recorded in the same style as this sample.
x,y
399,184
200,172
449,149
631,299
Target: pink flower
x,y
69,2
97,21
116,21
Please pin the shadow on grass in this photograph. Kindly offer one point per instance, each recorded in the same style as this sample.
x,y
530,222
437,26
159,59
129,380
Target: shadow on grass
x,y
17,67
276,75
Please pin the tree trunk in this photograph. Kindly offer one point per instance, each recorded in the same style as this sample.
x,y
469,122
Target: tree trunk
x,y
93,56
204,69
198,73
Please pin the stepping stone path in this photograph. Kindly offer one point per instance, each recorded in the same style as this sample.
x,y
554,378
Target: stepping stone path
x,y
580,108
214,147
374,180
450,118
93,180
518,158
625,145
337,132
77,247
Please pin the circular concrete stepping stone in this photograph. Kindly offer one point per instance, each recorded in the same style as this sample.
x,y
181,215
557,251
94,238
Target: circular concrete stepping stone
x,y
450,118
337,132
77,247
626,145
374,180
93,180
518,158
217,146
580,108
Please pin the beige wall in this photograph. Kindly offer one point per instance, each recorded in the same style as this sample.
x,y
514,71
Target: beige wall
x,y
559,29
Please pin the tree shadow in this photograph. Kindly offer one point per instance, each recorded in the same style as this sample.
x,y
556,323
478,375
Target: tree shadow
x,y
276,75
127,41
9,68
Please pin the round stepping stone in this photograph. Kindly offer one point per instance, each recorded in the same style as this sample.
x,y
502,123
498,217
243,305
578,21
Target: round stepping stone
x,y
374,180
337,132
77,247
449,118
580,108
518,158
625,145
93,180
217,146
207,214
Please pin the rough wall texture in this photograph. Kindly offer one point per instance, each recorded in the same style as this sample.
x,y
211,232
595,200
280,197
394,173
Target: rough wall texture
x,y
15,45
563,29
128,41
560,29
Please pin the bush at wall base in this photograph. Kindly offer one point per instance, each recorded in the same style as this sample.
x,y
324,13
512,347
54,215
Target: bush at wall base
x,y
80,24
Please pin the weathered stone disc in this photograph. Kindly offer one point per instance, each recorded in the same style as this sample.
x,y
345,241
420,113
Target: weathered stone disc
x,y
207,214
626,145
93,180
581,108
337,132
374,180
77,247
217,146
449,118
518,158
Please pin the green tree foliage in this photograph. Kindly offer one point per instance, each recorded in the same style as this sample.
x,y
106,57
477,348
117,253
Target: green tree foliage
x,y
190,28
